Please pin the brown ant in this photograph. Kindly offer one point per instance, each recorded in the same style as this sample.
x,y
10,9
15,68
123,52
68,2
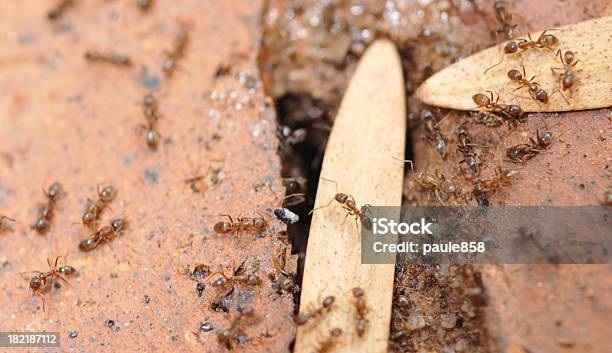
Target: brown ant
x,y
545,40
327,345
94,208
361,311
104,234
178,50
348,203
42,280
226,336
248,224
226,284
145,4
45,211
505,17
115,59
465,147
57,11
534,88
522,152
435,182
503,177
326,307
151,114
434,135
512,113
3,223
567,77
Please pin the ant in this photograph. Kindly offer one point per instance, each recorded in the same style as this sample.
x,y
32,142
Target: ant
x,y
326,346
226,336
94,208
145,4
512,113
522,152
227,283
434,135
42,280
545,40
45,212
503,177
149,104
178,50
326,306
505,17
104,234
361,310
566,78
348,203
436,182
3,225
249,224
115,59
465,147
57,11
534,88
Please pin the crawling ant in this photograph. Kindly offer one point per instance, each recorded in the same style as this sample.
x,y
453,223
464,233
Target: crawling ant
x,y
151,114
249,224
226,336
434,135
94,208
115,59
465,147
226,284
326,345
503,177
361,310
3,223
104,234
45,211
505,17
567,77
145,4
522,152
348,203
42,280
545,41
512,113
178,50
436,182
326,306
534,88
57,11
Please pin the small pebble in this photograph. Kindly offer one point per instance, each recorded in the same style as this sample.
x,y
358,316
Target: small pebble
x,y
448,321
416,322
73,334
286,216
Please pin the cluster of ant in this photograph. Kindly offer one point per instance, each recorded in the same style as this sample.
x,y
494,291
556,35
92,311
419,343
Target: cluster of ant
x,y
42,281
168,65
548,41
316,313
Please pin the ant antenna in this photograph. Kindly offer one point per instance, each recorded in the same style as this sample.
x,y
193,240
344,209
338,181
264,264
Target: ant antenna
x,y
330,201
406,161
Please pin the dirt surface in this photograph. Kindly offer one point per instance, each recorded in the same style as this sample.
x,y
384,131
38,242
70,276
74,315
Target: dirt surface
x,y
67,120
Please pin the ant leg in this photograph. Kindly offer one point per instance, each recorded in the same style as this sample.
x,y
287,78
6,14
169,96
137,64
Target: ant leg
x,y
318,208
42,296
439,198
